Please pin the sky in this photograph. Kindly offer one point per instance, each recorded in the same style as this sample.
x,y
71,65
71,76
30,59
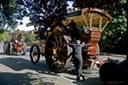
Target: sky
x,y
26,20
23,26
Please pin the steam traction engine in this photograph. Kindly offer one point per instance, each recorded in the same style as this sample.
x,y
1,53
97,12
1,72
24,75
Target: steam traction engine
x,y
91,22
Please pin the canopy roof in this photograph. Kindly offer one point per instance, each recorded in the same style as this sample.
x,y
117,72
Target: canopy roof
x,y
90,17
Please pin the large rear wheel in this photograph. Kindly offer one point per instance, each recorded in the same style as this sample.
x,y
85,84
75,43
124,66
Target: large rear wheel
x,y
56,52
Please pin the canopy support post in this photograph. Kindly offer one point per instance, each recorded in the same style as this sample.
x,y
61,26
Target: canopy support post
x,y
85,20
100,24
104,26
91,20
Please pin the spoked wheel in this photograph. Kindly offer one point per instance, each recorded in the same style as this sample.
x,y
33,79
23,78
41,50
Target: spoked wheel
x,y
6,47
35,54
8,50
56,52
24,48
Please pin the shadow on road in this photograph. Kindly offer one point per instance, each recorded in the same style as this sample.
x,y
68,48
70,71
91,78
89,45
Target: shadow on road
x,y
18,64
1,53
90,81
26,78
21,79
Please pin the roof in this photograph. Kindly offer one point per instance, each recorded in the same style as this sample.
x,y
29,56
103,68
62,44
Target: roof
x,y
89,17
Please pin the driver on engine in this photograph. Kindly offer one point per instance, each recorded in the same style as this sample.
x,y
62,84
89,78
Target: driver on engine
x,y
18,44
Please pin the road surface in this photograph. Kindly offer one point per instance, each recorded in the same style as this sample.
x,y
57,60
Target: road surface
x,y
18,70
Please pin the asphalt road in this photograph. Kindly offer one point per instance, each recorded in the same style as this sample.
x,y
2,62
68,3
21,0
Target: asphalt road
x,y
18,70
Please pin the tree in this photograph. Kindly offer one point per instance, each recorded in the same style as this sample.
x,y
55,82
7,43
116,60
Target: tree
x,y
114,37
43,13
102,4
3,36
7,9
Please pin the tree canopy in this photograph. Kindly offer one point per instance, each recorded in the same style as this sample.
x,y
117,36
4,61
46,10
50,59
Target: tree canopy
x,y
7,9
114,37
44,13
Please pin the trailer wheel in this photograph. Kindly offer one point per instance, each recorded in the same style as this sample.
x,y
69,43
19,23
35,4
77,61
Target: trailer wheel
x,y
5,47
24,48
9,49
34,54
56,52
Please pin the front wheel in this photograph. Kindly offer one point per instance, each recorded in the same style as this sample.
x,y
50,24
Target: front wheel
x,y
34,53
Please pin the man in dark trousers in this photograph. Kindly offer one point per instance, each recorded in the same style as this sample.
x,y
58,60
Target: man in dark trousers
x,y
77,53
